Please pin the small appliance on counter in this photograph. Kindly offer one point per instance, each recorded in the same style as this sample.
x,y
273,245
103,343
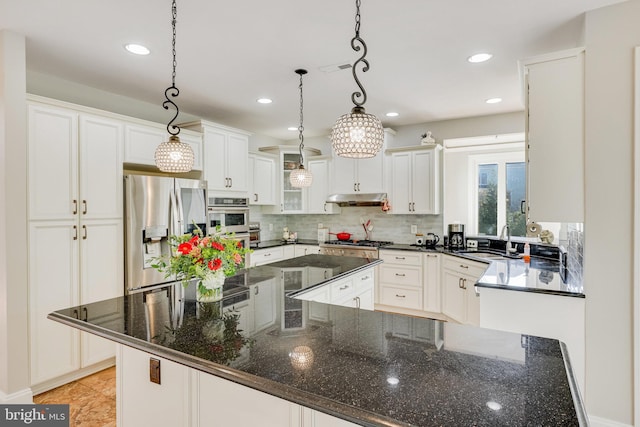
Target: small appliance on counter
x,y
456,236
254,234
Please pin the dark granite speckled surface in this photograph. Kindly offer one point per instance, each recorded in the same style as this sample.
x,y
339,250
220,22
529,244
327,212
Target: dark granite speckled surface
x,y
371,368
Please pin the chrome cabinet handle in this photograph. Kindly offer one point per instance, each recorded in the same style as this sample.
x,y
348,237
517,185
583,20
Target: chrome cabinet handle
x,y
344,287
230,182
400,274
84,232
357,300
355,187
400,296
84,207
522,206
75,314
75,206
464,266
267,254
86,314
75,232
257,290
364,278
464,283
460,282
358,186
400,257
255,197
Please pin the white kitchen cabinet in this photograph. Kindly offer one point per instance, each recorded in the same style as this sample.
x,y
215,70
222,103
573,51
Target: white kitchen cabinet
x,y
431,269
264,297
355,290
302,250
554,112
400,281
320,188
75,234
226,157
460,302
415,180
268,255
142,139
141,402
290,199
361,175
262,179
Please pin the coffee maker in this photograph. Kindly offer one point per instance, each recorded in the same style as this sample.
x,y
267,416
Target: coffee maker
x,y
456,236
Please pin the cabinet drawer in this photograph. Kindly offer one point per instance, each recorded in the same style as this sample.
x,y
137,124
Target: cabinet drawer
x,y
265,256
342,289
463,266
401,257
406,276
401,297
365,279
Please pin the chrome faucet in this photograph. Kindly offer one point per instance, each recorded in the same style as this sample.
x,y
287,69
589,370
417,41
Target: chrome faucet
x,y
508,245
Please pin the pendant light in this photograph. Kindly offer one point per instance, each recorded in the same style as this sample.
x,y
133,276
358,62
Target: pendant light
x,y
173,156
357,134
300,177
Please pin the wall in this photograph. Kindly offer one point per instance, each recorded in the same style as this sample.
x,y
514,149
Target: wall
x,y
611,35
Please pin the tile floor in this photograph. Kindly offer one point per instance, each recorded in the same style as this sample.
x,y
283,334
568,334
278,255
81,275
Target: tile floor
x,y
92,400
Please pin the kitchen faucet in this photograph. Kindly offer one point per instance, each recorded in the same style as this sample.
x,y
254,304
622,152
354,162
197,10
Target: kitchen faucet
x,y
508,246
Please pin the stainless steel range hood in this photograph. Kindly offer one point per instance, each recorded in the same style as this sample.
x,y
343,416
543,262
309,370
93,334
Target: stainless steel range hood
x,y
358,199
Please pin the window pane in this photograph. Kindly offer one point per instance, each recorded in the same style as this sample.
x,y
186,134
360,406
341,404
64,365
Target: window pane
x,y
515,194
488,199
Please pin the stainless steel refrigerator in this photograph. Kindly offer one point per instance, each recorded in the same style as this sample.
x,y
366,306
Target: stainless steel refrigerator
x,y
157,207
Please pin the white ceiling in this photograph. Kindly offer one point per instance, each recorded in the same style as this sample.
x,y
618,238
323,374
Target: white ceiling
x,y
231,53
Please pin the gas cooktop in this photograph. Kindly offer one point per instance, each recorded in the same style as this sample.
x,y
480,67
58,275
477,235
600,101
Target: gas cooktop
x,y
366,243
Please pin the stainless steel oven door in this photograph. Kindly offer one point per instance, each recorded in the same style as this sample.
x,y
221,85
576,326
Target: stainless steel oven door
x,y
232,220
246,241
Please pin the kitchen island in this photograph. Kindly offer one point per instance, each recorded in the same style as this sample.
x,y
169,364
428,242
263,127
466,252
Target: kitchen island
x,y
266,354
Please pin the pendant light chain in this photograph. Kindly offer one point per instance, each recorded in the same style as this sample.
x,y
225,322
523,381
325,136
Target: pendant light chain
x,y
173,90
356,44
301,127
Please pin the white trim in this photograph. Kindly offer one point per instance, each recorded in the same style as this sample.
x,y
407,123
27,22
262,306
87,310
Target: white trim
x,y
487,140
24,397
603,422
636,242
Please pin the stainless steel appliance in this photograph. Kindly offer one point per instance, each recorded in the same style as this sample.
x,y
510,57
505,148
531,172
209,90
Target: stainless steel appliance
x,y
358,249
157,207
232,215
254,234
456,236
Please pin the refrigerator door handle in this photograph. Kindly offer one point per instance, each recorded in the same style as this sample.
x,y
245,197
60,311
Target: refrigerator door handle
x,y
176,220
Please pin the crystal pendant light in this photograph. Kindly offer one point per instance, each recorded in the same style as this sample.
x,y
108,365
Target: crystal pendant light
x,y
173,156
357,134
300,177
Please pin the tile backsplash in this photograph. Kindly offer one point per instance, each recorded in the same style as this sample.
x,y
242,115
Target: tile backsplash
x,y
395,228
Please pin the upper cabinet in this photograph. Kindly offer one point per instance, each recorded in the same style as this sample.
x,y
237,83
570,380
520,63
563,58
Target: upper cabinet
x,y
415,180
361,175
142,139
320,168
554,102
226,157
262,179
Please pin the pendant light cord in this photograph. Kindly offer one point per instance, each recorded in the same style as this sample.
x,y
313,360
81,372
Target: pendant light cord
x,y
356,44
301,73
172,90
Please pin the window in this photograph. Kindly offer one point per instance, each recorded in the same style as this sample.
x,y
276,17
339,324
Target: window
x,y
499,183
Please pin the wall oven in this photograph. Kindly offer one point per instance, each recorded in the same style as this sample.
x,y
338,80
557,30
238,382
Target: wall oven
x,y
232,215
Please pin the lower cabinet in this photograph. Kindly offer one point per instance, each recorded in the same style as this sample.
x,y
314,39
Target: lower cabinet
x,y
355,291
186,397
431,270
400,281
302,250
460,301
269,255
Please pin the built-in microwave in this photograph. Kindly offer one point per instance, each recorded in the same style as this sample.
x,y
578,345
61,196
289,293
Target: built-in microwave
x,y
231,214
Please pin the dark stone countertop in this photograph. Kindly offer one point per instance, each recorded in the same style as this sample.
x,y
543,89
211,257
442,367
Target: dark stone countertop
x,y
279,242
371,368
541,275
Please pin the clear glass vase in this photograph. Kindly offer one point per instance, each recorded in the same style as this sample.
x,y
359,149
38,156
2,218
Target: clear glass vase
x,y
210,288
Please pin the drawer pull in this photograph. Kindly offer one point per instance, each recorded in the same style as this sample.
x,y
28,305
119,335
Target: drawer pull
x,y
342,288
400,296
267,254
400,257
464,266
364,278
400,274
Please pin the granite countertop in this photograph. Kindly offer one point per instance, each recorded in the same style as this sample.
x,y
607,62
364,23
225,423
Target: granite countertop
x,y
541,275
279,242
371,368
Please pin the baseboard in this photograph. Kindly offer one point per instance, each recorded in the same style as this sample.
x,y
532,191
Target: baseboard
x,y
22,397
603,422
72,376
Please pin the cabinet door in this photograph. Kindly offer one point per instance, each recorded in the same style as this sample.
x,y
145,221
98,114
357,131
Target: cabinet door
x,y
370,174
53,163
264,302
196,145
100,168
431,283
237,405
320,188
343,175
453,296
473,301
53,284
101,278
238,162
140,143
422,188
401,198
215,160
262,172
143,403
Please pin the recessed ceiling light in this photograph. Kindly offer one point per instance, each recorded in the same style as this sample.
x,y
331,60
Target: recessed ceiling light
x,y
264,101
479,57
292,128
392,114
137,49
493,100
